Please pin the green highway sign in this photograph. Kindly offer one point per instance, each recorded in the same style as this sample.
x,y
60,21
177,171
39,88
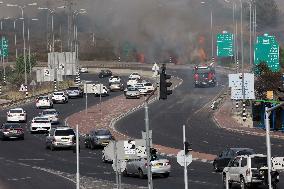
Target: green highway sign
x,y
225,46
4,47
267,50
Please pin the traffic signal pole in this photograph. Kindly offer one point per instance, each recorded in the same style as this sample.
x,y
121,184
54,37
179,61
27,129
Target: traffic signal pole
x,y
148,144
185,162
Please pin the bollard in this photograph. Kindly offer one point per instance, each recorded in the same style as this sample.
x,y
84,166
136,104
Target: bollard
x,y
26,89
244,112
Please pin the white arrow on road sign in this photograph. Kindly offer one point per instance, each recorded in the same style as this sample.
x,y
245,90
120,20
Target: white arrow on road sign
x,y
46,72
181,157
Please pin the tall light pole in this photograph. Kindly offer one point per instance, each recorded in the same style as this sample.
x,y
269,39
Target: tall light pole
x,y
211,30
15,34
76,44
52,11
24,40
30,65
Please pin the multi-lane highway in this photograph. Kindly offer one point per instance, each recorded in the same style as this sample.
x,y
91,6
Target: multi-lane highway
x,y
27,164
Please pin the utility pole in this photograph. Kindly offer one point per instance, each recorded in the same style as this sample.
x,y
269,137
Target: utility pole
x,y
185,162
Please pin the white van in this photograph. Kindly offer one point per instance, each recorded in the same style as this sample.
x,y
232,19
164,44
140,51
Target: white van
x,y
100,89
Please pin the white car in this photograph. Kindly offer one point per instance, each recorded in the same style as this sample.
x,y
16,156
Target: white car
x,y
59,97
40,124
84,70
149,87
135,75
139,167
16,115
132,92
60,137
114,79
44,102
141,88
132,81
51,114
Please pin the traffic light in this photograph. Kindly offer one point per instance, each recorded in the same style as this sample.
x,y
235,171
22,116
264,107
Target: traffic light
x,y
164,84
187,147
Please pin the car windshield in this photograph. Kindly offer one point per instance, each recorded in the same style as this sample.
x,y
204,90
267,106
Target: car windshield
x,y
16,111
12,126
202,70
148,84
49,112
43,98
131,78
41,120
257,162
58,93
103,132
66,132
132,89
73,88
245,152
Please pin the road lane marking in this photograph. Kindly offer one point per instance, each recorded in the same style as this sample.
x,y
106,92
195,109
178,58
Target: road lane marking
x,y
31,159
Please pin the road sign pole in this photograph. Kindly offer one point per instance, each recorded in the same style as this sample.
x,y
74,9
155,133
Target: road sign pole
x,y
268,145
185,162
149,172
77,157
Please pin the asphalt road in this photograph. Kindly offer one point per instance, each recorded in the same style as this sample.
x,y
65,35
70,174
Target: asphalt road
x,y
27,164
167,117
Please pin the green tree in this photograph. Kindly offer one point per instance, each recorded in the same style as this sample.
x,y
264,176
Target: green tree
x,y
266,80
20,65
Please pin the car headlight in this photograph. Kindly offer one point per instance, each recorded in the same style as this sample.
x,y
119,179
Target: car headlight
x,y
210,81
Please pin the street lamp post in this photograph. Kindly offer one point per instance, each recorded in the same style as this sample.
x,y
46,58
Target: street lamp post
x,y
211,30
52,48
24,40
30,65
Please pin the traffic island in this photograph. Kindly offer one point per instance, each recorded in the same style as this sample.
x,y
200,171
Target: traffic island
x,y
106,114
225,118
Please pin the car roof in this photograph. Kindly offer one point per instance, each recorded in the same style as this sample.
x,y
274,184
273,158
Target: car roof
x,y
63,128
40,117
49,110
253,155
45,96
59,92
16,109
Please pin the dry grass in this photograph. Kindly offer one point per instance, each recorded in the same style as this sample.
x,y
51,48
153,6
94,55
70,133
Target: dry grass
x,y
44,88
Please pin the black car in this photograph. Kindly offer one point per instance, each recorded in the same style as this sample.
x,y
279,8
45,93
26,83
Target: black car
x,y
98,138
225,156
105,73
11,131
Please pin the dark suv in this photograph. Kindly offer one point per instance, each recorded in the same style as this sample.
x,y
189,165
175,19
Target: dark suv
x,y
225,156
105,73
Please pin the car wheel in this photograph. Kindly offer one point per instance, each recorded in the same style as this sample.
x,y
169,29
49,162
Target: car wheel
x,y
215,167
243,184
22,138
124,173
104,159
141,174
166,175
3,138
224,182
52,148
92,146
